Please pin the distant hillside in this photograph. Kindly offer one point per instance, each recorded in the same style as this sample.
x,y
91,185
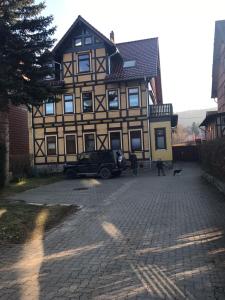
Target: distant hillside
x,y
186,118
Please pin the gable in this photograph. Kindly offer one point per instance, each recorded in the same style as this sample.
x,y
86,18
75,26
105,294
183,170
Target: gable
x,y
80,36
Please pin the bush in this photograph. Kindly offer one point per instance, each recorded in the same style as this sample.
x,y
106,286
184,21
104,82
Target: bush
x,y
2,164
213,157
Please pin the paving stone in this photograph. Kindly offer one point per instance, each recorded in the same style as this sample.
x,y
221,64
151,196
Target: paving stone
x,y
148,237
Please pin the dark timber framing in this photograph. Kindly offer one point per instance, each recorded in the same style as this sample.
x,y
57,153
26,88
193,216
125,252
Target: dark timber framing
x,y
103,120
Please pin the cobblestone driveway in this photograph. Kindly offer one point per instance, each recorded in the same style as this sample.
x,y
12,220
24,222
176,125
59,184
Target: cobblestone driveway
x,y
135,238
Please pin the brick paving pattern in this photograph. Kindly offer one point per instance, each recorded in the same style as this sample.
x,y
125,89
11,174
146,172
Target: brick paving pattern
x,y
148,237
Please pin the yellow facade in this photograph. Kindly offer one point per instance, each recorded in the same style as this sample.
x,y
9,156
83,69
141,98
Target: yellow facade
x,y
164,154
102,121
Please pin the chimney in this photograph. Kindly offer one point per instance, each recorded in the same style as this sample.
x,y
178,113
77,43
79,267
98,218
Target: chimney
x,y
112,36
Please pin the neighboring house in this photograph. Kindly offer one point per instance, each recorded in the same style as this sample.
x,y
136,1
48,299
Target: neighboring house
x,y
107,104
214,122
15,135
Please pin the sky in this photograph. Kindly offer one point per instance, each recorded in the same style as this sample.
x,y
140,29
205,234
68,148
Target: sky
x,y
185,29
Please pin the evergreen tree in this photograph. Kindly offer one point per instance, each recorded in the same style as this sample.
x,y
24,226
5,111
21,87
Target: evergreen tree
x,y
195,129
25,43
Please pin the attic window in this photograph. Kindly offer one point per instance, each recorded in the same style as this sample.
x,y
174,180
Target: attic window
x,y
78,42
129,63
88,40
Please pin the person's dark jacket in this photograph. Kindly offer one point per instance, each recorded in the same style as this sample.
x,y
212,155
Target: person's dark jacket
x,y
133,161
159,164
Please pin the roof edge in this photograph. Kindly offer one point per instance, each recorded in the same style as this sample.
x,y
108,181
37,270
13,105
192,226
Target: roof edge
x,y
134,41
81,19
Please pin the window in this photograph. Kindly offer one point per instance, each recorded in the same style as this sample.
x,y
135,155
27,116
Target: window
x,y
87,102
115,141
85,31
89,142
135,140
113,100
133,97
160,138
129,63
49,107
78,42
97,41
70,144
68,104
88,40
51,145
83,63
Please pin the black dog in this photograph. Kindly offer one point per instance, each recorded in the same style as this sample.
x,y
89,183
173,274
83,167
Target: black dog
x,y
178,171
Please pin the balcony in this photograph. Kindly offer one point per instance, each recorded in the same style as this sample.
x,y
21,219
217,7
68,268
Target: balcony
x,y
163,112
56,83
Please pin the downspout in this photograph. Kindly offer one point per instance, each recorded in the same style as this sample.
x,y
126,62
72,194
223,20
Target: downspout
x,y
109,59
148,118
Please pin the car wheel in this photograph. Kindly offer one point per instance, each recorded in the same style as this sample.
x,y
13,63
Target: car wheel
x,y
105,173
70,174
117,174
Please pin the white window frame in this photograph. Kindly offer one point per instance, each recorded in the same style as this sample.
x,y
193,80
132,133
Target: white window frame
x,y
65,135
139,97
121,138
90,61
85,133
63,100
54,108
46,144
107,98
138,129
93,103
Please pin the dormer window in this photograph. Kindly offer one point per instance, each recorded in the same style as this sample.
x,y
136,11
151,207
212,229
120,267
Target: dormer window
x,y
129,63
78,42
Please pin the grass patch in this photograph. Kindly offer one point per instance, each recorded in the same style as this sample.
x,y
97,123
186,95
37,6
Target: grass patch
x,y
18,220
27,184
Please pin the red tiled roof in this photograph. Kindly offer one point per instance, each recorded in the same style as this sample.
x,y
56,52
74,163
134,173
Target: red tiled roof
x,y
144,52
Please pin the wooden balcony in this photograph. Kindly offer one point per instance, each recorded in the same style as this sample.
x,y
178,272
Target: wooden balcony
x,y
162,110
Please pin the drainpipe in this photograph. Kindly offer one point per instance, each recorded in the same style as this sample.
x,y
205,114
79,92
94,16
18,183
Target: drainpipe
x,y
148,118
109,59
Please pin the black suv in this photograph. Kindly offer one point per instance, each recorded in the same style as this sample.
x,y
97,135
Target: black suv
x,y
97,163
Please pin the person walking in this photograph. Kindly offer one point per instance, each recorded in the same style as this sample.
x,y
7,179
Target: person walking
x,y
160,167
133,163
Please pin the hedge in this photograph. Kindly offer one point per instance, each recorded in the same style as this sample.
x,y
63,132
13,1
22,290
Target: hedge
x,y
2,164
213,157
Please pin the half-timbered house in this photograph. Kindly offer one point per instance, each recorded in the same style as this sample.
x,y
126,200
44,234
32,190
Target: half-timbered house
x,y
113,100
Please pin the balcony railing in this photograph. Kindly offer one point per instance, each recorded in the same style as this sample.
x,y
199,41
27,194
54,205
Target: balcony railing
x,y
161,110
57,83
